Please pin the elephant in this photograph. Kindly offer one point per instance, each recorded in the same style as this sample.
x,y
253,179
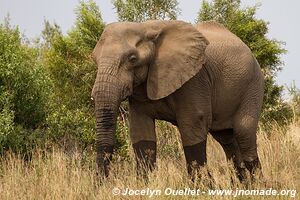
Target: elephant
x,y
201,78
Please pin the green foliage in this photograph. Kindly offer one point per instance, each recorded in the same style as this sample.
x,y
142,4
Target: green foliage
x,y
45,91
168,140
274,107
68,59
6,127
252,31
21,78
71,127
88,25
49,32
24,87
70,118
142,10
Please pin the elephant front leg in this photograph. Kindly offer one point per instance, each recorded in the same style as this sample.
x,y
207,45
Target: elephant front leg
x,y
195,156
145,153
143,137
194,137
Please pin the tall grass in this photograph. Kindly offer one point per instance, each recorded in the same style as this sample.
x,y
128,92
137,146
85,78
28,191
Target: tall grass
x,y
56,175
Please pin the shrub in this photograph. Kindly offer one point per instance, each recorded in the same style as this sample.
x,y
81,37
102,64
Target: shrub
x,y
71,128
24,87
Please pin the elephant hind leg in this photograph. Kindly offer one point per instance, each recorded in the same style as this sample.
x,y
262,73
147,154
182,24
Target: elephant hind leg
x,y
245,125
245,132
230,146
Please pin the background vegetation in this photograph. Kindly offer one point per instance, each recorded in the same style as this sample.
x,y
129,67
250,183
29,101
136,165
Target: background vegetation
x,y
45,104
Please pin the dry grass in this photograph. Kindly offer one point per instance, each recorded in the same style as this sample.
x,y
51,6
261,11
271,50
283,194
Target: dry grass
x,y
58,176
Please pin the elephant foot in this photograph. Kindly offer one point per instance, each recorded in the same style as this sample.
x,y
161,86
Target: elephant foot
x,y
196,159
240,173
195,156
254,169
145,153
104,157
253,165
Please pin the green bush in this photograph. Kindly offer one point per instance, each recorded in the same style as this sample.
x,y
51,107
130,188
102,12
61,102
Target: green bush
x,y
21,78
24,87
6,128
68,59
69,128
140,10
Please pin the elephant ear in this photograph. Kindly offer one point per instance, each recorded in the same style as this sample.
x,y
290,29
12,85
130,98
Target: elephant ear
x,y
179,56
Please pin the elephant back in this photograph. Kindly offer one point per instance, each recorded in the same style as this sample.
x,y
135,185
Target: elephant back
x,y
217,34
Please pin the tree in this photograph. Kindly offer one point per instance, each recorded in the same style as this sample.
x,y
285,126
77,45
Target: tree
x,y
49,32
68,59
252,31
22,80
23,91
142,10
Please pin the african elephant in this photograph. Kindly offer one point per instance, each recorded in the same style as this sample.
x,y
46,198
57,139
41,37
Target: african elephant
x,y
201,78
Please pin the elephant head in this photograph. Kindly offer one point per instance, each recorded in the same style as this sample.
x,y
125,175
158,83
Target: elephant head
x,y
162,54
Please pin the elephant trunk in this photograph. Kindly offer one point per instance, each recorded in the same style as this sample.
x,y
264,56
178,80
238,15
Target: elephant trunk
x,y
107,102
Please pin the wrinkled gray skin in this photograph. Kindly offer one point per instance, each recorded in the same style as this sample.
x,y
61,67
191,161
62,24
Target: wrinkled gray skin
x,y
200,78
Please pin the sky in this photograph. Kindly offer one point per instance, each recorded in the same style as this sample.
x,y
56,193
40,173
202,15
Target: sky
x,y
283,16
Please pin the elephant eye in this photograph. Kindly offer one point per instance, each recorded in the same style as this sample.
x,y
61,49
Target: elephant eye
x,y
132,58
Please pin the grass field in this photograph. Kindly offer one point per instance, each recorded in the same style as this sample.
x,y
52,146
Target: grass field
x,y
56,175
